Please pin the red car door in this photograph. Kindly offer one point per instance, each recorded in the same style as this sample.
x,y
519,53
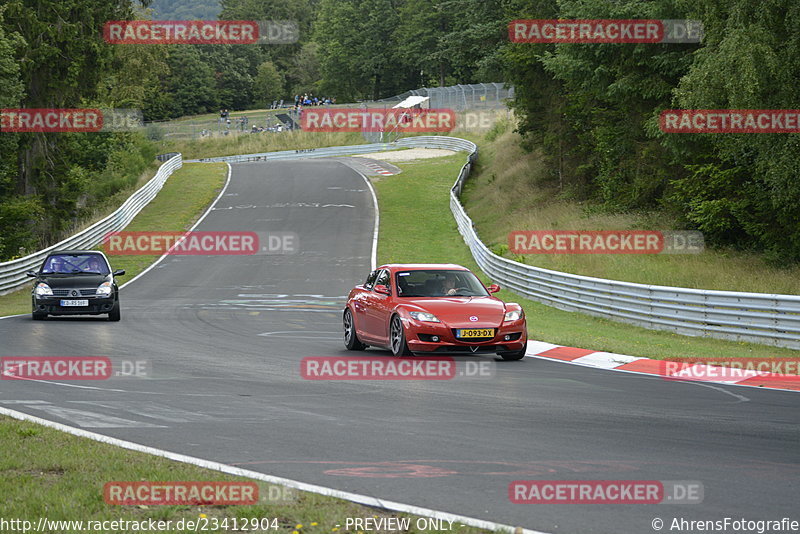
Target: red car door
x,y
361,301
379,306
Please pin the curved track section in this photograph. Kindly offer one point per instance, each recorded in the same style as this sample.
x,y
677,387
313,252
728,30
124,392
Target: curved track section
x,y
225,335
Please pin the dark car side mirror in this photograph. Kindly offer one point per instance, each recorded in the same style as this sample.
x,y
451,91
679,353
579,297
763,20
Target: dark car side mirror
x,y
382,289
32,274
119,272
494,288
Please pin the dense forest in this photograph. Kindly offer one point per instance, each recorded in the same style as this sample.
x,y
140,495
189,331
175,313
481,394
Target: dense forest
x,y
591,108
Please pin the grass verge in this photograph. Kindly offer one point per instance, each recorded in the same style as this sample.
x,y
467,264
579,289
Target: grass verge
x,y
417,226
61,477
177,206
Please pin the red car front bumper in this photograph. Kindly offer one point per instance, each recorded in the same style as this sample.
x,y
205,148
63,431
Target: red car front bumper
x,y
439,337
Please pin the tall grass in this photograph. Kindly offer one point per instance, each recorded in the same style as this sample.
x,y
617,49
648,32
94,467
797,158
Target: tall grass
x,y
247,143
511,189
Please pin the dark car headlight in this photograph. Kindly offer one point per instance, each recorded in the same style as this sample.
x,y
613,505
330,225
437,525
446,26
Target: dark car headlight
x,y
43,290
104,289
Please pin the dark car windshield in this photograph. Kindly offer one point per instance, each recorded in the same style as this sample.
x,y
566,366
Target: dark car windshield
x,y
75,264
439,283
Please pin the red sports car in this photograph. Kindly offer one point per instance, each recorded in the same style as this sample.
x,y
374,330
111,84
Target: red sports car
x,y
432,308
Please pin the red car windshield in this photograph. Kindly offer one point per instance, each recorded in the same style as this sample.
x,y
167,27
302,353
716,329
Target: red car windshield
x,y
438,283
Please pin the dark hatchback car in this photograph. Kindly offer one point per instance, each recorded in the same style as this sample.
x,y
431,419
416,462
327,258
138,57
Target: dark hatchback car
x,y
75,282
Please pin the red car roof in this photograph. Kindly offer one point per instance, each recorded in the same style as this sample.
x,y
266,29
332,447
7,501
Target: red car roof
x,y
394,267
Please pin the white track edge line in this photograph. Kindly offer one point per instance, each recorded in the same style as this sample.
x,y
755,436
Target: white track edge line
x,y
203,216
236,471
376,227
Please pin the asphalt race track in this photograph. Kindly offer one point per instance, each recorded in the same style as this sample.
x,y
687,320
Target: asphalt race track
x,y
224,336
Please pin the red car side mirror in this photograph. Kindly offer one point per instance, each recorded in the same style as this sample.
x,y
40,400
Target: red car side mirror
x,y
382,289
494,288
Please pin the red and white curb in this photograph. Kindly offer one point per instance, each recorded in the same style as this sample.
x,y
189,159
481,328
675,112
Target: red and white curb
x,y
646,366
378,169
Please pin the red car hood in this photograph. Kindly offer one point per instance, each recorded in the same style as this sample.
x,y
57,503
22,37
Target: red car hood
x,y
455,312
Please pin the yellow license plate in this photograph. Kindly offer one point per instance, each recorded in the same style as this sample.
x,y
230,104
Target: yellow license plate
x,y
476,332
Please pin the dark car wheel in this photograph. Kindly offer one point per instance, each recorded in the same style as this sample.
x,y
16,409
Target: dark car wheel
x,y
509,356
397,336
351,340
114,314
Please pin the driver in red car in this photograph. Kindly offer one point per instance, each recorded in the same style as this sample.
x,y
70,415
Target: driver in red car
x,y
449,284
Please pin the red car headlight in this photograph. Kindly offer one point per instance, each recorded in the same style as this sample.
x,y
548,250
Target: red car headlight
x,y
424,317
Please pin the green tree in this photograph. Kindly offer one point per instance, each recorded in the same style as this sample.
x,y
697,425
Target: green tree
x,y
268,84
358,49
751,60
17,212
303,73
193,82
423,23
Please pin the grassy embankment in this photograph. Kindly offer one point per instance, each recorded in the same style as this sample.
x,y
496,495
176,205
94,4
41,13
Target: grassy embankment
x,y
417,226
509,190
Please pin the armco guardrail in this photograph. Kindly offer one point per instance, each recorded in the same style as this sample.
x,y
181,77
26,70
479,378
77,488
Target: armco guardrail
x,y
757,317
408,142
12,273
302,153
